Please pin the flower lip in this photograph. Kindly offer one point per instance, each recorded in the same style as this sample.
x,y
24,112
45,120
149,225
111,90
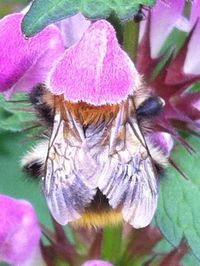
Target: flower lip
x,y
95,70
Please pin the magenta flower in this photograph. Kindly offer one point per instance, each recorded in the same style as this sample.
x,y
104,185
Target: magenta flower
x,y
97,263
19,232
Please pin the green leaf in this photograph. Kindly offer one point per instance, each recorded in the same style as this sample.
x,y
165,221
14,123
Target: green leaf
x,y
13,181
178,214
111,243
45,12
163,247
14,116
190,260
196,87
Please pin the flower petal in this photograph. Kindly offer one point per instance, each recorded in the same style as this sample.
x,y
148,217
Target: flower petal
x,y
96,263
195,12
19,231
72,28
95,70
163,17
25,62
192,60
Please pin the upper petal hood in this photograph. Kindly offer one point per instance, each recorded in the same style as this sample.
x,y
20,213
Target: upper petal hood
x,y
95,70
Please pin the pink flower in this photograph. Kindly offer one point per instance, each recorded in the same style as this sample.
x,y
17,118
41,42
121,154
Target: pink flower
x,y
19,232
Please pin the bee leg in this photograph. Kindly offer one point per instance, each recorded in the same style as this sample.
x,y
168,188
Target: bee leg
x,y
37,99
150,107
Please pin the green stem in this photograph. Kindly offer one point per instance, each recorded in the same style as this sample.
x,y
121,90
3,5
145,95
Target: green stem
x,y
130,37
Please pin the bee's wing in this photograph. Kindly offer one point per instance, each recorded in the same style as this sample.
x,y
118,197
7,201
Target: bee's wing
x,y
129,179
68,185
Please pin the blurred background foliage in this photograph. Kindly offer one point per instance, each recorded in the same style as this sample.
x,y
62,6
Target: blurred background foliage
x,y
175,219
8,6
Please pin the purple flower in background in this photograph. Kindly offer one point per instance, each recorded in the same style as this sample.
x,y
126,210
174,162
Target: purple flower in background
x,y
163,17
26,62
180,71
192,62
97,263
19,233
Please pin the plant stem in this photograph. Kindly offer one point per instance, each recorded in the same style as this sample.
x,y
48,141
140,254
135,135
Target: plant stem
x,y
130,37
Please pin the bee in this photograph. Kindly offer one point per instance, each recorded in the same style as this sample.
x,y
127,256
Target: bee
x,y
96,164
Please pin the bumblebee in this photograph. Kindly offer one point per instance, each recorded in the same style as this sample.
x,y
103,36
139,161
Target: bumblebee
x,y
96,164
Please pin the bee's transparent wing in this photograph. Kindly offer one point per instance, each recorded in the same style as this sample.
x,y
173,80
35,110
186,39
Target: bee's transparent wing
x,y
129,179
68,185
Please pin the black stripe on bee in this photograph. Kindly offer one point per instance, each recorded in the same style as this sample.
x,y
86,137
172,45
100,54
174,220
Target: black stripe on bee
x,y
34,169
44,111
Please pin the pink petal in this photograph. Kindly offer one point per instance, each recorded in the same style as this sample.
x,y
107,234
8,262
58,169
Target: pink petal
x,y
19,231
72,28
24,63
196,104
163,16
96,263
192,60
95,70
